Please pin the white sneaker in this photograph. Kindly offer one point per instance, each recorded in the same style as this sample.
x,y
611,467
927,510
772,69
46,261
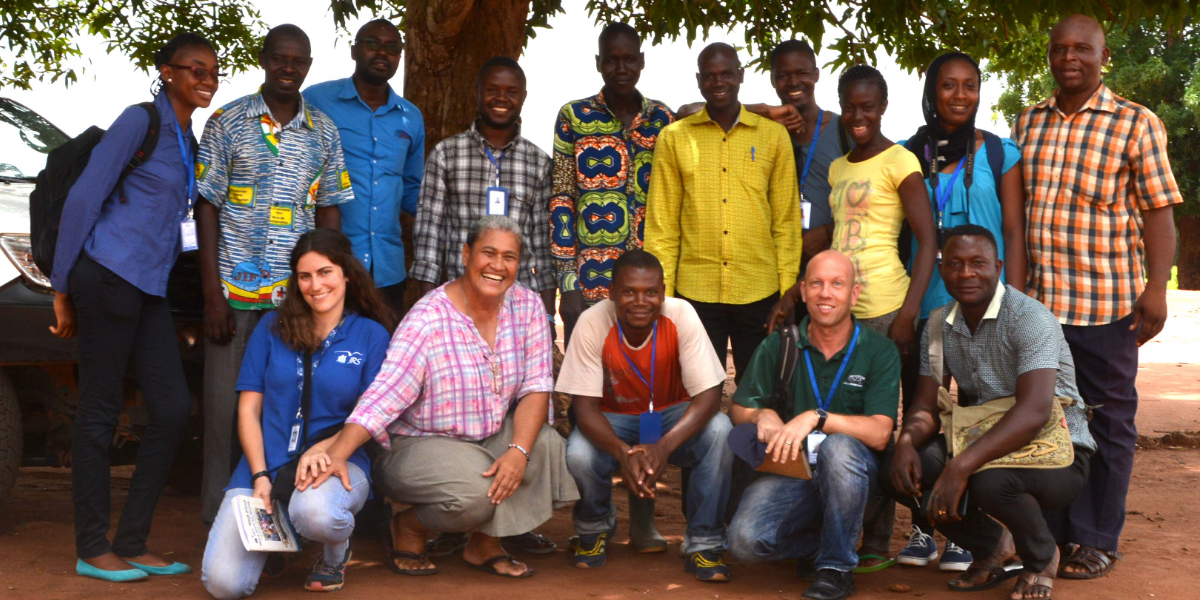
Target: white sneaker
x,y
954,558
920,551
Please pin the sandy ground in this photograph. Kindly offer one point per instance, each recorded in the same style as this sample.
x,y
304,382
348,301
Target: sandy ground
x,y
1161,540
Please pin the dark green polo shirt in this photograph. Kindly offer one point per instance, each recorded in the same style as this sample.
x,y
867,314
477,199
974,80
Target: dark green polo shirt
x,y
870,385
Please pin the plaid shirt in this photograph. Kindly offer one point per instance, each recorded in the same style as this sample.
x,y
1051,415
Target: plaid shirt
x,y
454,196
1088,176
442,378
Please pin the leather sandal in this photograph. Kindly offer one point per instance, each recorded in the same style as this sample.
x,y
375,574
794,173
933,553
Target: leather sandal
x,y
1029,582
1097,563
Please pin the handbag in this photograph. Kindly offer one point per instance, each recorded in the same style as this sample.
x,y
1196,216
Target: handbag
x,y
1051,448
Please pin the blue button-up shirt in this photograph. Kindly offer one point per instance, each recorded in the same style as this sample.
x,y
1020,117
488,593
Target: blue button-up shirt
x,y
385,153
137,239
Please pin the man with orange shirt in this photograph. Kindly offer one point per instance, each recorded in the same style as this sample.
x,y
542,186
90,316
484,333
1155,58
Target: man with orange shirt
x,y
646,387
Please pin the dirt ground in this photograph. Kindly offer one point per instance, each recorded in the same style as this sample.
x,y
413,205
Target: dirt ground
x,y
1161,540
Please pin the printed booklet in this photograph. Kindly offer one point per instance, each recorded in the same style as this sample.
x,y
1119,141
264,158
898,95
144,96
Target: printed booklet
x,y
262,532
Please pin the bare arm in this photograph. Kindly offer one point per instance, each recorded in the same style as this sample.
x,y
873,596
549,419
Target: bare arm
x,y
1013,227
1150,311
329,217
915,199
218,316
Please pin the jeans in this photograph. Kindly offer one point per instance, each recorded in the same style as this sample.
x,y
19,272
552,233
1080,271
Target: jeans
x,y
1106,365
821,520
999,498
324,514
738,324
707,454
119,326
222,450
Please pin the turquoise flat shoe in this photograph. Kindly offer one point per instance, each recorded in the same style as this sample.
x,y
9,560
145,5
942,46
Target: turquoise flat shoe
x,y
86,570
171,569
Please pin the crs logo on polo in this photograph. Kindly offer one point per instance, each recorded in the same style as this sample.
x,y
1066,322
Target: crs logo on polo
x,y
856,380
346,357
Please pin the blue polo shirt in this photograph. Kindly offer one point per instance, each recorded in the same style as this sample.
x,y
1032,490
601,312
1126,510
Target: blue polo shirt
x,y
347,365
385,153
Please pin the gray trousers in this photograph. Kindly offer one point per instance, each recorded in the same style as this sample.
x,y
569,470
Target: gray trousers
x,y
441,478
222,364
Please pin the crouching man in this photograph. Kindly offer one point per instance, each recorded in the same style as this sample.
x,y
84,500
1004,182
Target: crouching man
x,y
646,387
844,396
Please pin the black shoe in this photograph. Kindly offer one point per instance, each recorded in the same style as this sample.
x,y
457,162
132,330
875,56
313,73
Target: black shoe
x,y
831,584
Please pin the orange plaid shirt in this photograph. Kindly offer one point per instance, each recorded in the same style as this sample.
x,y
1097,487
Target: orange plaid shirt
x,y
1088,177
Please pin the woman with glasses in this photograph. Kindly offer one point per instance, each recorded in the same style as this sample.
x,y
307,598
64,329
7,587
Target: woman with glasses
x,y
460,408
124,223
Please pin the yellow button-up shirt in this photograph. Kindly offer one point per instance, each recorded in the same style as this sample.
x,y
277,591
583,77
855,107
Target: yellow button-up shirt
x,y
723,213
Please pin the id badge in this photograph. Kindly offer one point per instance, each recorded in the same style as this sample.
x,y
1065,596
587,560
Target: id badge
x,y
294,439
497,200
805,214
650,427
814,445
281,215
187,235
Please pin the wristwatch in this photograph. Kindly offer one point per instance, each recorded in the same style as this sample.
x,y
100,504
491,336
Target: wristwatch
x,y
259,474
821,423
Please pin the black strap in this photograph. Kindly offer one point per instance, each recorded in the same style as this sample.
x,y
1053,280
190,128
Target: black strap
x,y
995,152
306,400
149,142
789,354
843,140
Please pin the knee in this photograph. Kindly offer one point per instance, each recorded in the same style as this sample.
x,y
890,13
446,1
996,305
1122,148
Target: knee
x,y
742,539
319,521
225,585
844,454
473,510
716,432
583,459
990,488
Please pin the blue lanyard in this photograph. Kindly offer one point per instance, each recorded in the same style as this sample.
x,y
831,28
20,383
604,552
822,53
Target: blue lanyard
x,y
944,194
653,358
824,404
316,362
188,165
495,161
812,147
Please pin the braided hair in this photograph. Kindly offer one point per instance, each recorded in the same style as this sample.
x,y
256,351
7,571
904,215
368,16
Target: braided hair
x,y
860,73
166,54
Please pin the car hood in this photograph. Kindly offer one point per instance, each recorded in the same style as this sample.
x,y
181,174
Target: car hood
x,y
14,218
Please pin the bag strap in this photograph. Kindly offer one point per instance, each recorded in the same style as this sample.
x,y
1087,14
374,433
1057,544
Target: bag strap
x,y
149,142
995,152
306,399
936,366
789,355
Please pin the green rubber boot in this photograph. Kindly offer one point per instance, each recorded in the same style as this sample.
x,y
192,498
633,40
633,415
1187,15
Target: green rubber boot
x,y
643,537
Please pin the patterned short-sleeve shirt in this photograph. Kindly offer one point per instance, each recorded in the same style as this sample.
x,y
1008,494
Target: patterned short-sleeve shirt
x,y
266,180
1088,177
1016,335
601,176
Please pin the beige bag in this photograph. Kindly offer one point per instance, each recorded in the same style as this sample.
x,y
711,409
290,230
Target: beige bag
x,y
962,425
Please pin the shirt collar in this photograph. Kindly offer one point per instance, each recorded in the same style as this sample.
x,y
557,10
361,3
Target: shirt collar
x,y
598,102
350,92
168,122
745,117
478,137
1101,100
257,107
993,310
803,342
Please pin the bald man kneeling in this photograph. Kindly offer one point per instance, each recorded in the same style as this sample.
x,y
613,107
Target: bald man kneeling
x,y
844,398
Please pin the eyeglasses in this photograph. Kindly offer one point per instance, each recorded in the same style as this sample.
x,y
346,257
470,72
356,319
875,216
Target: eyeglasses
x,y
391,48
200,73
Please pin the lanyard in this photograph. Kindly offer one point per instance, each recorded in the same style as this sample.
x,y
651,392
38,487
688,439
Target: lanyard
x,y
944,194
188,165
316,362
824,404
653,359
812,147
495,162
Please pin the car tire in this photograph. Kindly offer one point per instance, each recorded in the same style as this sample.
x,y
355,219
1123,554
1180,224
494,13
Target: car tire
x,y
10,436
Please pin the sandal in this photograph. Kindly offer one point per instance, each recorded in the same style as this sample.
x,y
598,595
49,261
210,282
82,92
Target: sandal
x,y
883,564
1028,582
489,566
393,555
533,543
998,574
1096,562
445,544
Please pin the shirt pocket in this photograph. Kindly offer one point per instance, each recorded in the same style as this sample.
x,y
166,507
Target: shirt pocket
x,y
755,172
853,395
1101,183
391,151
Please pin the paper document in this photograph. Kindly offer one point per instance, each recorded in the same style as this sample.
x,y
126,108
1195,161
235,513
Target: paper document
x,y
262,532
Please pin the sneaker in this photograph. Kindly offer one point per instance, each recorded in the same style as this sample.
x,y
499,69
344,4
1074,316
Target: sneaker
x,y
708,566
326,577
920,551
955,558
591,551
831,584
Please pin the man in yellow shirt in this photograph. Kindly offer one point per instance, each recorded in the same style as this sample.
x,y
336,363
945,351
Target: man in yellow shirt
x,y
723,215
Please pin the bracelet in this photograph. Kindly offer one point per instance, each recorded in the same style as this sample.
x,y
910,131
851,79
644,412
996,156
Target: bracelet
x,y
523,451
255,476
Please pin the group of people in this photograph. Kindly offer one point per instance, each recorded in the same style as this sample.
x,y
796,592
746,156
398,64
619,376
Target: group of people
x,y
1027,270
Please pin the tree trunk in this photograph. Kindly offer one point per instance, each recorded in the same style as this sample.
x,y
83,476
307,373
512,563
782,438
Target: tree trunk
x,y
1188,265
446,42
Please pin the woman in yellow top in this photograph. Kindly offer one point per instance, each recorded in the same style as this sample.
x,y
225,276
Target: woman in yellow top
x,y
875,186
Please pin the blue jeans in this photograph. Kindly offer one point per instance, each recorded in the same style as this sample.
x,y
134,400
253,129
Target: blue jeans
x,y
325,514
707,453
820,520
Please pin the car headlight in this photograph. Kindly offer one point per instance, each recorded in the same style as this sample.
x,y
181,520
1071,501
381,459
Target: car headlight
x,y
18,249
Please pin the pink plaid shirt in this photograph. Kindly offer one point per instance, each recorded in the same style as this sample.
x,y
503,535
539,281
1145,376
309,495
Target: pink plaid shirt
x,y
441,377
